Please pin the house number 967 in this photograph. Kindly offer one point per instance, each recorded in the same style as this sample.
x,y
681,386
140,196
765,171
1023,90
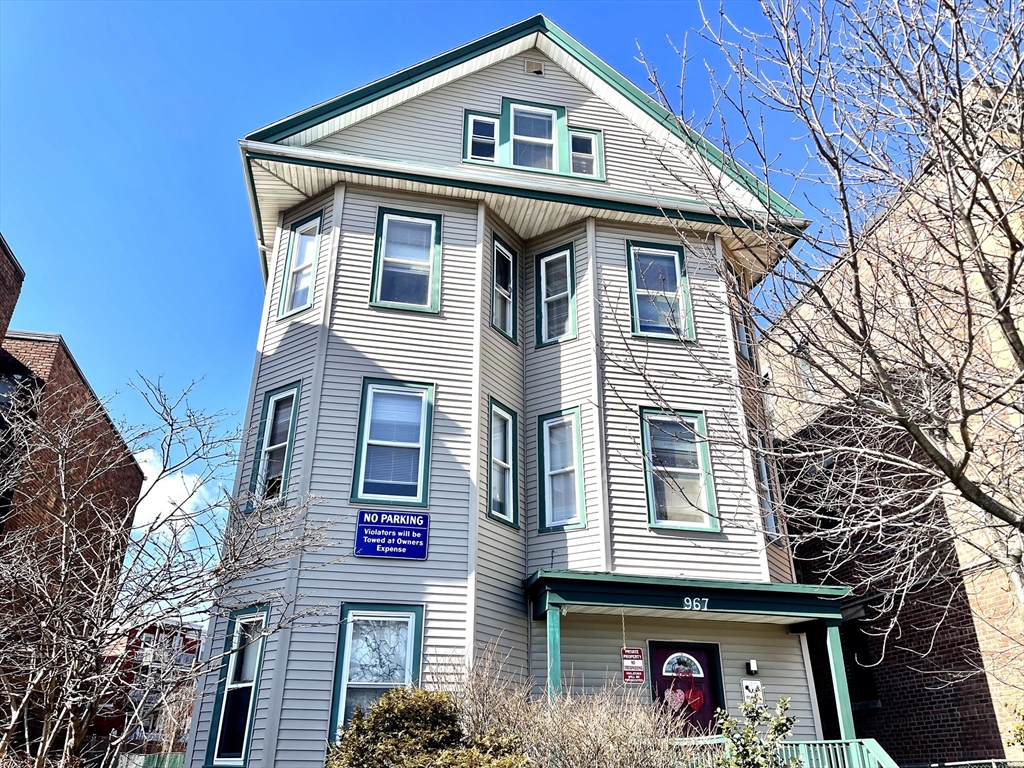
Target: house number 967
x,y
695,603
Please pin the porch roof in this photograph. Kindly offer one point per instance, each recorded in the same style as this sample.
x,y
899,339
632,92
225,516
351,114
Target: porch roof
x,y
599,592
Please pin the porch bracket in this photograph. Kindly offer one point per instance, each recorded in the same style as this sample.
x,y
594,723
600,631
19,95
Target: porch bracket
x,y
839,683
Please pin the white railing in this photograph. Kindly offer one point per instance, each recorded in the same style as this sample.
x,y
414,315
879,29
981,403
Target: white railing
x,y
859,753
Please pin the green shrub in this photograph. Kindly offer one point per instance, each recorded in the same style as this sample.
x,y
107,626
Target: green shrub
x,y
756,741
416,728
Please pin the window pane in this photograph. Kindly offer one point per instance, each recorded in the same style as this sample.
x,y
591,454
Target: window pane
x,y
563,497
502,270
658,313
583,144
560,445
379,651
361,697
280,421
536,125
405,283
582,164
306,250
483,128
673,445
409,240
530,155
301,283
679,498
395,417
499,491
482,149
556,276
502,318
499,438
655,272
247,655
391,471
558,317
234,723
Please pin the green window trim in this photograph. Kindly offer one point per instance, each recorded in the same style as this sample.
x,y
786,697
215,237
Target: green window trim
x,y
562,159
261,611
572,415
687,332
422,498
513,521
434,291
704,457
497,243
286,277
269,399
341,659
571,329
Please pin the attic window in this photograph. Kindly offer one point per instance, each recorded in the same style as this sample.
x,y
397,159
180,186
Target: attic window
x,y
483,138
534,67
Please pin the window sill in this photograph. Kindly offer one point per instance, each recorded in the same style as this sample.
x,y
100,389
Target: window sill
x,y
513,524
684,528
297,311
406,307
566,527
542,171
689,336
555,342
400,502
511,339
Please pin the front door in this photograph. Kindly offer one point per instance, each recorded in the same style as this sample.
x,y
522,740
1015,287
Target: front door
x,y
687,678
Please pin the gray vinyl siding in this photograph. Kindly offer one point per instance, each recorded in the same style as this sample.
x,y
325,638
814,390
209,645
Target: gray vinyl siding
x,y
501,550
429,128
559,376
591,656
684,376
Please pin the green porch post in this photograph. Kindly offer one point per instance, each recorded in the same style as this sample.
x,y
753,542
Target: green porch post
x,y
553,618
839,684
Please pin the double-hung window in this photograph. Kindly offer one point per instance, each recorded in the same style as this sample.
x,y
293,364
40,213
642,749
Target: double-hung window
x,y
743,340
300,266
503,295
534,137
765,495
660,299
236,694
583,152
503,502
274,446
561,481
483,138
379,650
407,265
556,296
677,463
393,456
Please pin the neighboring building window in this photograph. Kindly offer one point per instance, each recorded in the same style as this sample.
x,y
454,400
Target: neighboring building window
x,y
393,456
765,495
561,481
660,297
583,148
534,137
556,299
407,265
239,681
503,437
743,336
274,446
680,492
483,138
379,650
300,266
503,295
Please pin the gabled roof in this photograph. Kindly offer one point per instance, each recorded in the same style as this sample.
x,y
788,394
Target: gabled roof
x,y
539,24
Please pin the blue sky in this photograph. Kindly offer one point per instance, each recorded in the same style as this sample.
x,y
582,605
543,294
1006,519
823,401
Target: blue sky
x,y
121,189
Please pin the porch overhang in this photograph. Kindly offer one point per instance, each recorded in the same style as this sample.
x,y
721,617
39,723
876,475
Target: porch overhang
x,y
615,593
281,177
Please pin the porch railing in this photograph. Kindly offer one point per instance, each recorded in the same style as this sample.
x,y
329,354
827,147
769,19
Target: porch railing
x,y
859,753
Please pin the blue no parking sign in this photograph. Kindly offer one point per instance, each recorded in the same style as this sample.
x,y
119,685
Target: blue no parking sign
x,y
402,535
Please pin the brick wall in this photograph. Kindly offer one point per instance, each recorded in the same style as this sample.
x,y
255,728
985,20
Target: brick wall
x,y
11,277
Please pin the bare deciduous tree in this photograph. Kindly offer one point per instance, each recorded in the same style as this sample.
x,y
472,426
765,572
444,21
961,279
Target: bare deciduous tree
x,y
85,571
894,328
